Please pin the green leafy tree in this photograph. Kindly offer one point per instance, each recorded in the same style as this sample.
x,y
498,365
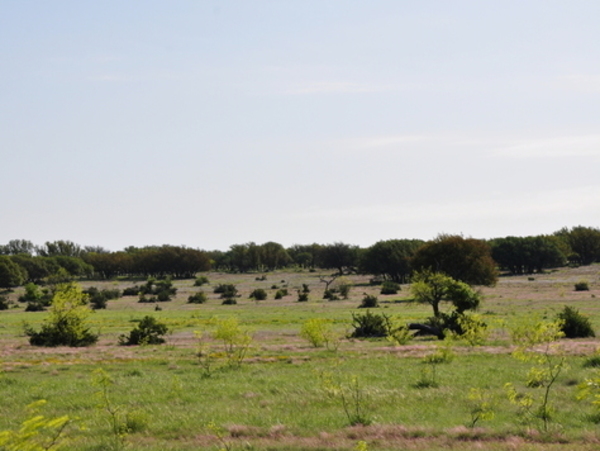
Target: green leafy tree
x,y
584,243
466,259
66,324
433,287
390,259
11,274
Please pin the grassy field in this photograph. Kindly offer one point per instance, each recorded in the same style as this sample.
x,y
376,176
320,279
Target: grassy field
x,y
287,394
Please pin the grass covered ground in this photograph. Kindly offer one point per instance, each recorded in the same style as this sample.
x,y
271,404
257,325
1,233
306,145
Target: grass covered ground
x,y
287,394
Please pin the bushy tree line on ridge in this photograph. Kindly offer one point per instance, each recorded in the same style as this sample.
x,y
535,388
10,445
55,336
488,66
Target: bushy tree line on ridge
x,y
470,260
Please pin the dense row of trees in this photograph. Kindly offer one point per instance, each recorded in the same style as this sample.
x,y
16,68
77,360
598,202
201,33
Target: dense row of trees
x,y
469,260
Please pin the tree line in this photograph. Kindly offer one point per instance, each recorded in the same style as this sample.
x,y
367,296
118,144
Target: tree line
x,y
470,260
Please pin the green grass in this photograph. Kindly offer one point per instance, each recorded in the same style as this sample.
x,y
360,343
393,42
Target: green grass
x,y
278,399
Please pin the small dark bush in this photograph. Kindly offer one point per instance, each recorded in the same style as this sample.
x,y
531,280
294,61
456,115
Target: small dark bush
x,y
163,296
369,301
224,288
37,300
344,290
370,325
261,278
148,332
4,303
274,287
592,362
145,300
201,280
305,288
574,324
582,286
330,295
258,294
302,297
389,287
132,291
198,298
281,293
229,301
100,298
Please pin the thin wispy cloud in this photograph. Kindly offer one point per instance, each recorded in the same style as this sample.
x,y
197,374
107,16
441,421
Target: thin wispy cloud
x,y
566,146
336,87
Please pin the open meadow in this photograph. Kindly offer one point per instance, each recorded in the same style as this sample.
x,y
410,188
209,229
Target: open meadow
x,y
282,393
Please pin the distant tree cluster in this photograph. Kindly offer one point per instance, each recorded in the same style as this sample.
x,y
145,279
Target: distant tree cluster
x,y
469,260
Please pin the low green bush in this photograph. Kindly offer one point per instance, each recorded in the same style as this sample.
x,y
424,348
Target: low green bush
x,y
258,294
281,293
582,285
369,324
149,331
369,301
389,287
198,298
574,324
201,280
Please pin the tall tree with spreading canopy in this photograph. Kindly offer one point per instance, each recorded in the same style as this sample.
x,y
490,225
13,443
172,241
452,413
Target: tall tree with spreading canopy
x,y
390,258
466,259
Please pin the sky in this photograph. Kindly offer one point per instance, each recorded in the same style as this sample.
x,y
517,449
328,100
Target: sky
x,y
213,123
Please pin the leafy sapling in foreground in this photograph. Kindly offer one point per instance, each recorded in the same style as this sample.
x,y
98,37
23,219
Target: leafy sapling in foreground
x,y
535,344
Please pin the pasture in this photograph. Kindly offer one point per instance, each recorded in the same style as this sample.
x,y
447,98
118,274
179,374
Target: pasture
x,y
289,395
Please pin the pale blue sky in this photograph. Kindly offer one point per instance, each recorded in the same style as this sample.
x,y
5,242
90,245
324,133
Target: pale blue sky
x,y
210,123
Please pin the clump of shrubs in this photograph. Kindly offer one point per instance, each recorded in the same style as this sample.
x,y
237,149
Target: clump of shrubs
x,y
4,303
369,324
258,294
582,285
390,287
201,280
99,298
159,290
369,301
574,324
302,296
228,293
132,291
198,298
37,299
149,331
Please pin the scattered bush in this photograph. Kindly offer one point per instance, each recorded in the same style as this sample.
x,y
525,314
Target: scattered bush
x,y
229,301
261,278
330,295
302,297
305,288
369,301
370,325
582,285
132,291
99,298
574,324
318,332
198,298
66,323
390,287
36,299
148,332
281,293
258,294
4,303
201,280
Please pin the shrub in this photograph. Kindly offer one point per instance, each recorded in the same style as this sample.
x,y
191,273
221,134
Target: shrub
x,y
132,291
198,298
369,301
201,280
389,287
305,288
330,295
302,297
4,303
236,340
99,299
370,325
281,293
574,324
226,290
258,294
318,332
582,285
37,300
66,323
229,301
148,332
